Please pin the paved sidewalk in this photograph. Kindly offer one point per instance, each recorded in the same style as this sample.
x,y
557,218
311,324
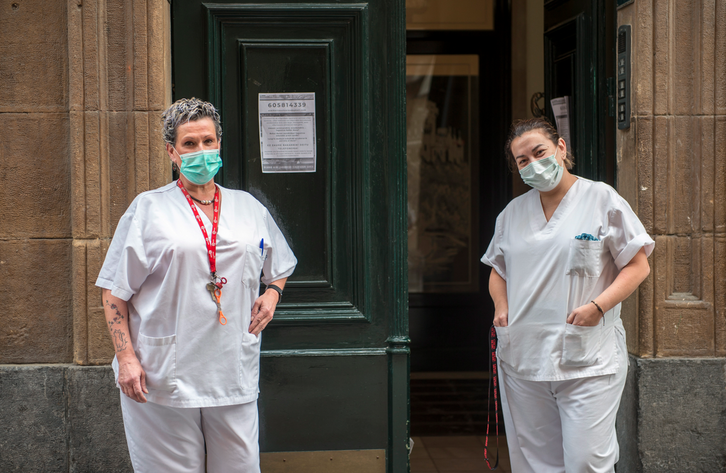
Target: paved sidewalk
x,y
456,454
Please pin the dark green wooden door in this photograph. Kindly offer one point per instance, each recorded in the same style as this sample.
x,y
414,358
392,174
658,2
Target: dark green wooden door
x,y
579,60
334,373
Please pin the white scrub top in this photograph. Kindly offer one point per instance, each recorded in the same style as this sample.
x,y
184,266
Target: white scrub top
x,y
158,262
549,273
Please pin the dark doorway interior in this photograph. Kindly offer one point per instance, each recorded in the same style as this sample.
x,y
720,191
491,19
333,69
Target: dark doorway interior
x,y
449,321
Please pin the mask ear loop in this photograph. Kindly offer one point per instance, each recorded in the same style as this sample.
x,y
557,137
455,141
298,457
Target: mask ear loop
x,y
174,167
557,148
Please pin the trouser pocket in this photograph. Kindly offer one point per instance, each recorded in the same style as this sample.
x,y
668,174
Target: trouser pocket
x,y
581,345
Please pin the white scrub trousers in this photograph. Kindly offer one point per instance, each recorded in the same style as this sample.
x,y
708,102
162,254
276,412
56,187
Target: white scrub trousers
x,y
562,426
171,439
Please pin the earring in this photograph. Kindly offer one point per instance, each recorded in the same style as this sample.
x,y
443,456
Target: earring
x,y
174,167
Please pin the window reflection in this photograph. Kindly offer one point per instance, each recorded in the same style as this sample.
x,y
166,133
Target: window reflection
x,y
442,172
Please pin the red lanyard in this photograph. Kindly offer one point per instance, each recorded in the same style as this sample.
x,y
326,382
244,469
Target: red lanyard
x,y
492,377
215,287
211,243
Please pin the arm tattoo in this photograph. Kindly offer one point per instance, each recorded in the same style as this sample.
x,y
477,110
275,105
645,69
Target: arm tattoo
x,y
119,316
119,339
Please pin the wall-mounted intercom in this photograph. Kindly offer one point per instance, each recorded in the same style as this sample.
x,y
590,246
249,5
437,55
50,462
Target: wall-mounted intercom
x,y
623,78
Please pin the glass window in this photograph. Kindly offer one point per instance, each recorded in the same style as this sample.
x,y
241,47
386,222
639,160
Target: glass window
x,y
442,155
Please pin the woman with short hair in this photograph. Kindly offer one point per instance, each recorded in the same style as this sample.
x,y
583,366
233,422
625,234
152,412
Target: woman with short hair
x,y
180,287
563,256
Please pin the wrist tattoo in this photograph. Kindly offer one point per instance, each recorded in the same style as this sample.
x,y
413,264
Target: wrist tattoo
x,y
119,339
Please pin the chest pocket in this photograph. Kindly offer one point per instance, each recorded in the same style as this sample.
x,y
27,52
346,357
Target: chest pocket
x,y
254,257
585,258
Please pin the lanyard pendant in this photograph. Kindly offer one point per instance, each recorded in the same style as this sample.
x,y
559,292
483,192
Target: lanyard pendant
x,y
215,289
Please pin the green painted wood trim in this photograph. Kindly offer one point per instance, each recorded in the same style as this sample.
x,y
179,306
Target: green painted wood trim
x,y
324,352
317,318
399,411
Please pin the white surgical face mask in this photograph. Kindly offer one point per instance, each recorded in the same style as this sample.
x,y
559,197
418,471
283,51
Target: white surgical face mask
x,y
543,174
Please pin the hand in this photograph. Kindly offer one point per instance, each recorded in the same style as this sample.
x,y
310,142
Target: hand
x,y
263,310
501,319
132,377
586,315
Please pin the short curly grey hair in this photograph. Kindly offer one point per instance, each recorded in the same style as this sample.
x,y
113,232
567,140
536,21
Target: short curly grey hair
x,y
186,110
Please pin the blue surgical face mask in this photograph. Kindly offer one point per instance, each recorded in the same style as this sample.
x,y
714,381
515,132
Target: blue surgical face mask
x,y
200,167
543,174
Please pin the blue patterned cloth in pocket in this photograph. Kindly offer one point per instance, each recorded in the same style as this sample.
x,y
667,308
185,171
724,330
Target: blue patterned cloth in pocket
x,y
586,236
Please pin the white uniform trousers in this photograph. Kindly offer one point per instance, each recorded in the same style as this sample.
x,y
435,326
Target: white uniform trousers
x,y
171,439
562,426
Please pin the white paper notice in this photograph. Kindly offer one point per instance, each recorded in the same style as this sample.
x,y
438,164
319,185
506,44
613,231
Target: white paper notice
x,y
287,132
561,110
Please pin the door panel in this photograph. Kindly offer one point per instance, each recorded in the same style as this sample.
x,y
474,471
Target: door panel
x,y
579,59
296,49
354,399
334,372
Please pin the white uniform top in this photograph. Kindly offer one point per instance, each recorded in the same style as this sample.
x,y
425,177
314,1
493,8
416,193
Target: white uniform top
x,y
549,273
158,262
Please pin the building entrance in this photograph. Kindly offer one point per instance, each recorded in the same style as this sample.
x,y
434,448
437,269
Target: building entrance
x,y
457,115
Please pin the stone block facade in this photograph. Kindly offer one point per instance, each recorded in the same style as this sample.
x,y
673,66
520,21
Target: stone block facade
x,y
672,169
83,85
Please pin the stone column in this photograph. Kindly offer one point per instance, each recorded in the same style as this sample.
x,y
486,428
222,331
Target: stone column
x,y
672,169
119,83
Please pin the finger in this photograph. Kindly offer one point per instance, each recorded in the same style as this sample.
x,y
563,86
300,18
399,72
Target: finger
x,y
262,324
258,326
256,306
571,318
129,391
143,382
137,390
130,394
257,316
253,323
139,395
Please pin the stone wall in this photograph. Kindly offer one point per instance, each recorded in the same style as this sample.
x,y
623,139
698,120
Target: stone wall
x,y
82,87
61,418
35,228
83,84
672,169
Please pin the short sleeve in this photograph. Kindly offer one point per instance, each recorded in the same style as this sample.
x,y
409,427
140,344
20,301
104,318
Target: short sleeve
x,y
280,262
626,235
494,256
125,267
